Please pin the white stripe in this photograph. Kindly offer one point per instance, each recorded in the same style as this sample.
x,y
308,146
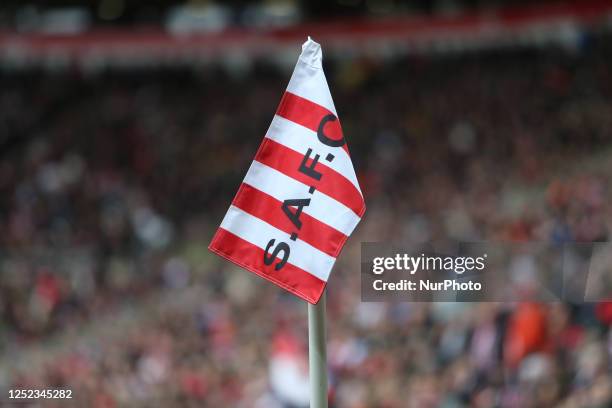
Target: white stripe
x,y
259,233
282,187
299,138
309,82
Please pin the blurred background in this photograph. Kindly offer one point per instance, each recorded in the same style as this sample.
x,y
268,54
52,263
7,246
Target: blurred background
x,y
126,128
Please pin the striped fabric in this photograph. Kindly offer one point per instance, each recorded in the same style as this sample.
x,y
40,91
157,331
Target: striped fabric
x,y
300,199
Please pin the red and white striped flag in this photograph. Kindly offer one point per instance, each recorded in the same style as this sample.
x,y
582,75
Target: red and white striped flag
x,y
300,199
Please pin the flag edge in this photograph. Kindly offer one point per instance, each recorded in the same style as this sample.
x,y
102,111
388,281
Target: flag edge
x,y
219,252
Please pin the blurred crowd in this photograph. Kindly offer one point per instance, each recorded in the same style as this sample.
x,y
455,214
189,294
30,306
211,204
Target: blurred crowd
x,y
112,183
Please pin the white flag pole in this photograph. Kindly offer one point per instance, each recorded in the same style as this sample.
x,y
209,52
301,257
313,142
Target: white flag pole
x,y
317,354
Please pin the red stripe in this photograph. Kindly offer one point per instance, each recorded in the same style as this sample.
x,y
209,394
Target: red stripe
x,y
309,114
250,257
332,183
267,208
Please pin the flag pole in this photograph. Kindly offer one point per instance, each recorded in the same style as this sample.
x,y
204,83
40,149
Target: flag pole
x,y
317,354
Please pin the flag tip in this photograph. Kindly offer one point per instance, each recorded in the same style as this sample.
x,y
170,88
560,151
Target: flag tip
x,y
311,53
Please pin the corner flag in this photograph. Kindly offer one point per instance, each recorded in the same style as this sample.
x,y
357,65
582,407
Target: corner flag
x,y
300,199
